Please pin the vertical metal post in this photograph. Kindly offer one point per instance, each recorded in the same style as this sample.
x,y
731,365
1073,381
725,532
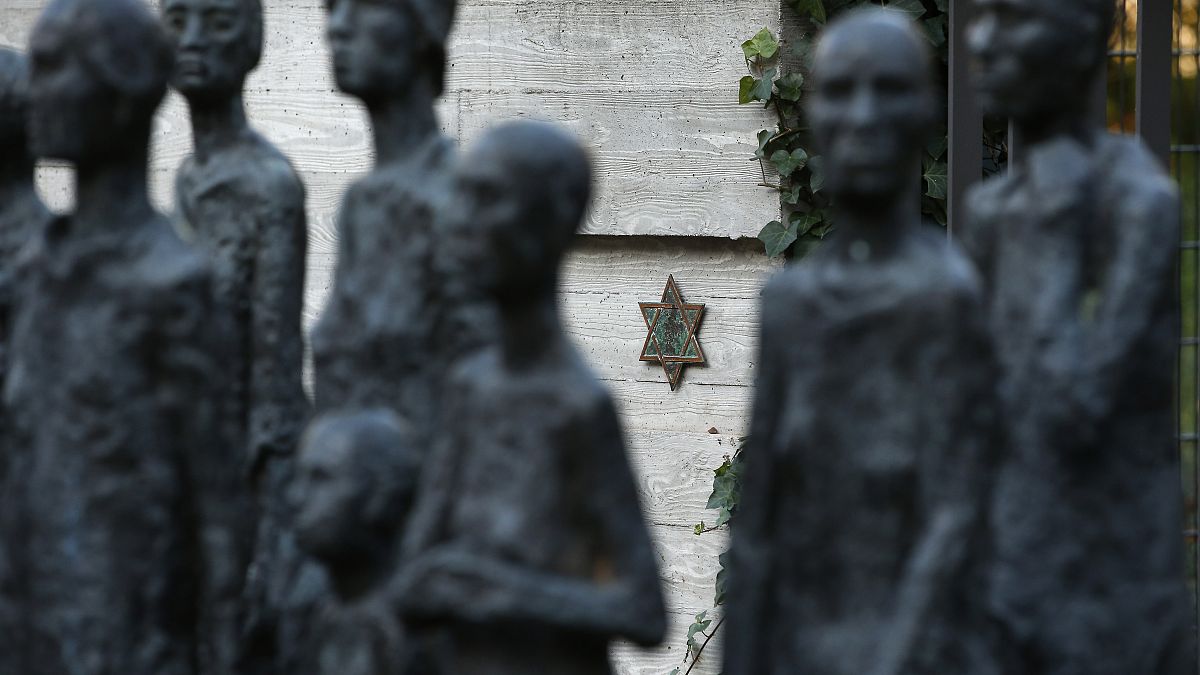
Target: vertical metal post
x,y
966,120
1154,77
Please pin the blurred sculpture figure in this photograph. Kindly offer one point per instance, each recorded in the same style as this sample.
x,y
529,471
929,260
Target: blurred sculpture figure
x,y
527,551
129,507
243,203
22,216
355,484
378,342
1076,245
858,548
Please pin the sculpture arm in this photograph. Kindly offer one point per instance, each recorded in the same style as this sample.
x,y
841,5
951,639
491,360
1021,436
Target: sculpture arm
x,y
277,403
751,530
195,400
1132,294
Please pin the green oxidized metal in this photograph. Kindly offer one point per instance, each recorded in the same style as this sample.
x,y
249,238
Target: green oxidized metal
x,y
671,338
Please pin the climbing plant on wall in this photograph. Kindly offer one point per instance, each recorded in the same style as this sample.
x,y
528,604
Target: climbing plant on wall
x,y
778,70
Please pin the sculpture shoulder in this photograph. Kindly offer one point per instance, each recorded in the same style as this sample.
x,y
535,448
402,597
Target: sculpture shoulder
x,y
944,266
254,170
1138,181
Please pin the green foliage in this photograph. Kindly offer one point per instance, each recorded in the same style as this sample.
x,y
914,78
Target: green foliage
x,y
777,78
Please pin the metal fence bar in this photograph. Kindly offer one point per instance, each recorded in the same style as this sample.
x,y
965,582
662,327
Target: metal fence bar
x,y
966,119
1154,28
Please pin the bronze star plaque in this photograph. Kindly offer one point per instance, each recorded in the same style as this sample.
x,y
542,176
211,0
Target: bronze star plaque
x,y
671,340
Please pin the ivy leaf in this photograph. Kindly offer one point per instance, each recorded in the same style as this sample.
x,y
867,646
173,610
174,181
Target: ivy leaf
x,y
764,137
792,196
727,487
751,89
700,625
722,579
746,90
777,238
816,170
802,50
791,86
913,8
803,223
935,180
789,163
813,9
699,528
942,5
762,44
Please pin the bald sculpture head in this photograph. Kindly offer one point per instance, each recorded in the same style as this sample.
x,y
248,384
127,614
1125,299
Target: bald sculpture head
x,y
217,43
1035,60
524,188
98,71
872,106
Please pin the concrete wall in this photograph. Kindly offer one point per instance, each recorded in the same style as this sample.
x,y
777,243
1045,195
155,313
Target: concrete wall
x,y
651,87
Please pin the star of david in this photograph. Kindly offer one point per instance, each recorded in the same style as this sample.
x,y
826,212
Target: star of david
x,y
671,340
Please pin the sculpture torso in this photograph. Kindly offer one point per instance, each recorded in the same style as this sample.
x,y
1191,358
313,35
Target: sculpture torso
x,y
516,489
1078,253
373,344
875,377
245,205
106,473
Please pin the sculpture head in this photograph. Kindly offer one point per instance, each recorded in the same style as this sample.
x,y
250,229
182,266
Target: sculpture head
x,y
98,71
14,102
217,43
1035,58
355,479
872,105
380,47
523,189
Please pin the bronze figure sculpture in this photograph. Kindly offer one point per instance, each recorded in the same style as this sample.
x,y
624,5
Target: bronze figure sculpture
x,y
130,507
354,486
527,551
1077,250
375,343
242,202
858,546
22,216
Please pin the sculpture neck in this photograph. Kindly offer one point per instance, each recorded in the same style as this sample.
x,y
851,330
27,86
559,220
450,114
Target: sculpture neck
x,y
16,177
112,194
1067,122
402,125
217,124
882,226
529,330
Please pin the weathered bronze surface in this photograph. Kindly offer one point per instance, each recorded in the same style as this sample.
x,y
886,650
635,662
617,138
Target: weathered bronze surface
x,y
355,482
859,544
1077,248
242,203
22,217
527,551
132,527
672,324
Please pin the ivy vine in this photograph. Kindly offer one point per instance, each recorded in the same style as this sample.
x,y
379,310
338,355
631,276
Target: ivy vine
x,y
777,79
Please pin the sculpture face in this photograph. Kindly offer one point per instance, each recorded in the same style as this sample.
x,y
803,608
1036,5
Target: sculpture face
x,y
871,107
327,494
98,70
217,42
376,47
522,190
1031,57
71,112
